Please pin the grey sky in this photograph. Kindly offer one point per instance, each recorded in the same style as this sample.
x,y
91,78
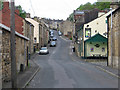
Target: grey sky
x,y
55,9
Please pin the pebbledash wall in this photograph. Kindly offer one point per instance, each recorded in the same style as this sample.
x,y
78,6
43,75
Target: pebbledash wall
x,y
21,52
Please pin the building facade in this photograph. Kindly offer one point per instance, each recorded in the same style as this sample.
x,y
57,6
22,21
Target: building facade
x,y
21,52
95,28
5,17
114,37
29,32
81,18
36,32
0,59
66,27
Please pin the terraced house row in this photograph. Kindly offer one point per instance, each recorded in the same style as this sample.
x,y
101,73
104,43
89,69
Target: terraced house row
x,y
92,34
30,35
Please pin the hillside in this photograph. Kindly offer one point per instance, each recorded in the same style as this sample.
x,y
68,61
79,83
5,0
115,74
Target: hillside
x,y
89,6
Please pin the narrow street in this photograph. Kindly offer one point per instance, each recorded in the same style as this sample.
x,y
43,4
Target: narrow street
x,y
59,69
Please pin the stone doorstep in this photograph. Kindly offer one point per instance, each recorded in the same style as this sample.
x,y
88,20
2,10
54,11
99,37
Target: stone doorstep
x,y
95,60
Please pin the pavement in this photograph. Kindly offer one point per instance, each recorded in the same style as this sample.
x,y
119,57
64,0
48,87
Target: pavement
x,y
99,63
26,76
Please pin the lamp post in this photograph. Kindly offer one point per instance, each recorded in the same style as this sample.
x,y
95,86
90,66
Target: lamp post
x,y
111,40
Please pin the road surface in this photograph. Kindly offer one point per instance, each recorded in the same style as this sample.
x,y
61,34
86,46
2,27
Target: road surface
x,y
60,69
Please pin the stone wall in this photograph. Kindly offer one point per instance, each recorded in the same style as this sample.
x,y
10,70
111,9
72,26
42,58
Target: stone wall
x,y
115,41
6,61
29,32
21,54
0,59
66,28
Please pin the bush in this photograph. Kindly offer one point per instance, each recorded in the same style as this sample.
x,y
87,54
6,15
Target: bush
x,y
70,38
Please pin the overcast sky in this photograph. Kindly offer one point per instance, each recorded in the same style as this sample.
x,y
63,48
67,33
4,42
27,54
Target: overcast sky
x,y
54,9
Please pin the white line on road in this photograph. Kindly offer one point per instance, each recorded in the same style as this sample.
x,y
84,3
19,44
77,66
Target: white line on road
x,y
108,72
64,39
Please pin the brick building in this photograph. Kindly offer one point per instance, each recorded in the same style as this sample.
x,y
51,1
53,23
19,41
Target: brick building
x,y
5,17
22,42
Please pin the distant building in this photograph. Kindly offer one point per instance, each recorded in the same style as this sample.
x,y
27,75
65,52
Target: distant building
x,y
66,27
81,18
29,32
36,32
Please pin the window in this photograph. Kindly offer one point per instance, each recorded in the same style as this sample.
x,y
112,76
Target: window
x,y
90,42
95,31
92,49
87,32
35,40
103,49
97,45
1,5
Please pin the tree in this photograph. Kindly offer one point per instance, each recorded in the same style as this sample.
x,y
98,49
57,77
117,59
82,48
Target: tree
x,y
102,5
1,4
22,12
89,6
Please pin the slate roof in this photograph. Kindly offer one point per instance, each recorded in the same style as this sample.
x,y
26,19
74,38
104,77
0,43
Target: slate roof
x,y
97,38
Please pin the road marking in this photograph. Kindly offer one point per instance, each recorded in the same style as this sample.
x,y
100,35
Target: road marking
x,y
53,52
70,53
64,39
108,72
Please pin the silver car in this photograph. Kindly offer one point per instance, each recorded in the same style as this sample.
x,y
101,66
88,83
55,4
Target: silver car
x,y
44,50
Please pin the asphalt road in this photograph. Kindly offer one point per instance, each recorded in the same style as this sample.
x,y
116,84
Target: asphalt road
x,y
59,69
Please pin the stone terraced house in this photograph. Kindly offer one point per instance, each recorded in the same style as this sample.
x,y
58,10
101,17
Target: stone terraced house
x,y
115,60
23,43
21,52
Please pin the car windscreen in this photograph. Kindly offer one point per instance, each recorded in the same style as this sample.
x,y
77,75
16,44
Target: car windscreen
x,y
44,48
52,42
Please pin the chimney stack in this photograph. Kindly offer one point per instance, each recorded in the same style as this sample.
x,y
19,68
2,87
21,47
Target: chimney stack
x,y
28,15
114,5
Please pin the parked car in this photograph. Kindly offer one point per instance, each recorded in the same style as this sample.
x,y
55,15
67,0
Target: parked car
x,y
51,35
51,32
44,50
53,44
51,38
54,39
59,33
